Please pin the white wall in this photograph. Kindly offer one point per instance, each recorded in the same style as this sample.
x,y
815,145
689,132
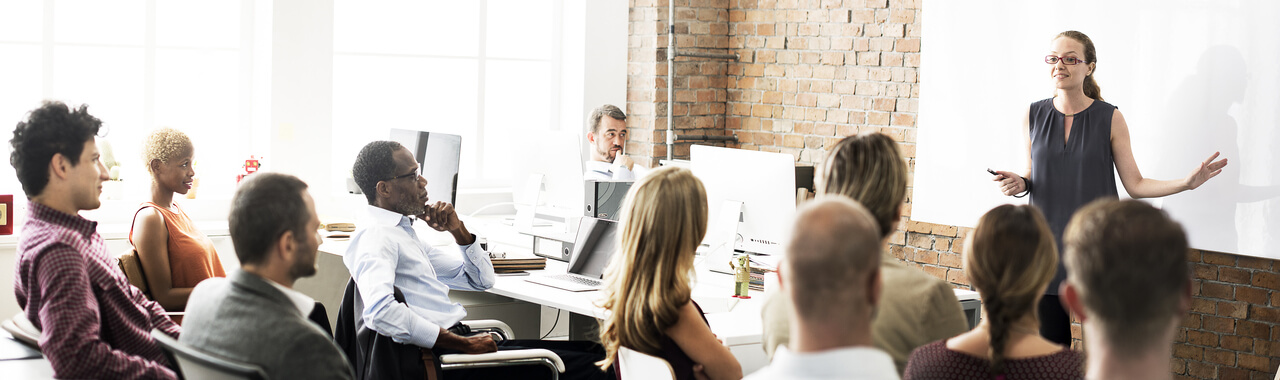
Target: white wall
x,y
294,70
1190,77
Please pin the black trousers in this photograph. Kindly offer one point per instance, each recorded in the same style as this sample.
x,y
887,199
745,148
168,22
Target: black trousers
x,y
579,362
1055,323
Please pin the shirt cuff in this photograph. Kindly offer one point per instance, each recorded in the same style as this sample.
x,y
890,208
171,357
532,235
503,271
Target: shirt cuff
x,y
425,334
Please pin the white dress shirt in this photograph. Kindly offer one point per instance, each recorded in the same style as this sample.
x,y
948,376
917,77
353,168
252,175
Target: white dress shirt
x,y
384,252
843,363
604,171
301,301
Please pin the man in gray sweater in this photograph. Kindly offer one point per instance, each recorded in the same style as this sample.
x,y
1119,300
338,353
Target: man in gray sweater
x,y
255,316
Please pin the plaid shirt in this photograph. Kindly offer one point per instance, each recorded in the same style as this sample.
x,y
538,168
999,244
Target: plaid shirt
x,y
93,323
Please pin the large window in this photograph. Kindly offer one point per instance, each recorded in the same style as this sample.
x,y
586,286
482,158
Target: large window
x,y
487,70
139,65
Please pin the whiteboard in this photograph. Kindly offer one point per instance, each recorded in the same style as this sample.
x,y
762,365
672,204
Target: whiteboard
x,y
1191,77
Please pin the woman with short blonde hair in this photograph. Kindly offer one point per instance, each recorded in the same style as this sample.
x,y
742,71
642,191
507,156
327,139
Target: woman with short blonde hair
x,y
649,281
175,255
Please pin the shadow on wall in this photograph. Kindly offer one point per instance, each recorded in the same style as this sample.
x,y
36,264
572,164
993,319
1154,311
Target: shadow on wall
x,y
1200,119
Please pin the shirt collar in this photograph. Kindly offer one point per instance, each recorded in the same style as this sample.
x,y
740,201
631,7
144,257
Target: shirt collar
x,y
378,216
864,361
38,211
300,301
600,166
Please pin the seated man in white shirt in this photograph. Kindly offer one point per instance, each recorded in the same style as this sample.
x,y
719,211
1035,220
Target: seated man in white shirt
x,y
386,255
607,140
832,272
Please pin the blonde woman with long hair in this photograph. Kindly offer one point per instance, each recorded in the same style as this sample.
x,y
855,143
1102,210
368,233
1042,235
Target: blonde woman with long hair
x,y
1010,258
649,282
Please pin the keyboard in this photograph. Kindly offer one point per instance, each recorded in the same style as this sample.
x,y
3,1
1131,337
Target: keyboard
x,y
577,280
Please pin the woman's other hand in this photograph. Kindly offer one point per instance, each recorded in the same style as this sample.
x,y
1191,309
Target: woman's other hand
x,y
1208,169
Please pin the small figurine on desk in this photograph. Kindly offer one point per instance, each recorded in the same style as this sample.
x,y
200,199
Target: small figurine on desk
x,y
741,276
250,166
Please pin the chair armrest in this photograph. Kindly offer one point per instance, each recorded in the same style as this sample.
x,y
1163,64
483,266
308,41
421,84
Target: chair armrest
x,y
491,326
504,356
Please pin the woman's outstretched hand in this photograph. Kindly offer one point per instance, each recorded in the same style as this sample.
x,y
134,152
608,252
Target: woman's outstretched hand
x,y
1207,169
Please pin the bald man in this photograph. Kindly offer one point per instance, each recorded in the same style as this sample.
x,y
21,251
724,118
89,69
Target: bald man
x,y
832,273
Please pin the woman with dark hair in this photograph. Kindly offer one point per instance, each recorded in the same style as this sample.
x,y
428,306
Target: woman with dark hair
x,y
1010,259
1077,143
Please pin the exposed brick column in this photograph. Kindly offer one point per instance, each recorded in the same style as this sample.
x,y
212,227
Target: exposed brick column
x,y
699,108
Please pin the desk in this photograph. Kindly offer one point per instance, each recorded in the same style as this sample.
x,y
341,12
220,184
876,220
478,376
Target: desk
x,y
35,368
737,322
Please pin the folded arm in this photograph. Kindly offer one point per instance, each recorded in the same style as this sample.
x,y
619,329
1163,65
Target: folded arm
x,y
69,321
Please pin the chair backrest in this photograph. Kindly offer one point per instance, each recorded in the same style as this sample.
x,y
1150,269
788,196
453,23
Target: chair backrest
x,y
194,364
131,265
22,330
634,364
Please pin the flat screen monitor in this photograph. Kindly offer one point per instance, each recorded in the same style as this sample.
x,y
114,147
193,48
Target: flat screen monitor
x,y
763,182
596,244
438,156
553,155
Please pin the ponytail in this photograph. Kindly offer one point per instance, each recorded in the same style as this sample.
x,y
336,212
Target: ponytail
x,y
1091,88
1011,259
999,320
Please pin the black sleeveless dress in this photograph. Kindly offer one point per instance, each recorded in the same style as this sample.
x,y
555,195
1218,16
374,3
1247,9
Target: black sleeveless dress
x,y
681,363
1066,173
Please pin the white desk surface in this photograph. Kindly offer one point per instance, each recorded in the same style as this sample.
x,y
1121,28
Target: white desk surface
x,y
739,325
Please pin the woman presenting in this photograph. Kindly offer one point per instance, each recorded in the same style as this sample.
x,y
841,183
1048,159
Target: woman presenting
x,y
1077,143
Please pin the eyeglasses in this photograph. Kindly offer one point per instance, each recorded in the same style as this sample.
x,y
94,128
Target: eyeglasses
x,y
413,174
1053,60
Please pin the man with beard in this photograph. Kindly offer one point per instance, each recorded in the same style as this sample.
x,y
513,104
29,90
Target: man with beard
x,y
606,139
402,283
255,316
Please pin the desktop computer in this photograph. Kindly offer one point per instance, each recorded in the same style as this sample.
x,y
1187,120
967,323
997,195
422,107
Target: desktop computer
x,y
438,156
604,198
549,203
751,197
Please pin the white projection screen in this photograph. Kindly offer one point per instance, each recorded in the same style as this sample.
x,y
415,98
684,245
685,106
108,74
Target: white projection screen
x,y
1191,77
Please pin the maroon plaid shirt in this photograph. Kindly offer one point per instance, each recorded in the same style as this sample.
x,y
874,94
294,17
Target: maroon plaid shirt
x,y
93,323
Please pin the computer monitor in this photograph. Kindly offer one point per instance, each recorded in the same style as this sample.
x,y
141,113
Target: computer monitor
x,y
438,156
762,182
554,157
596,245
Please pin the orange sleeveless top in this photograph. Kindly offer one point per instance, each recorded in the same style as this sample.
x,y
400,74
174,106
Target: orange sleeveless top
x,y
191,255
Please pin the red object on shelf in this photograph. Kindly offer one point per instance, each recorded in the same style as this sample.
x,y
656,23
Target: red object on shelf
x,y
6,214
250,166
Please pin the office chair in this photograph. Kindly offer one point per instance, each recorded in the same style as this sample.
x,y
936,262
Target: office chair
x,y
131,265
22,330
634,364
376,356
195,364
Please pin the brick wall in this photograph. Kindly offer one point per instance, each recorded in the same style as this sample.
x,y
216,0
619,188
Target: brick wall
x,y
814,71
700,87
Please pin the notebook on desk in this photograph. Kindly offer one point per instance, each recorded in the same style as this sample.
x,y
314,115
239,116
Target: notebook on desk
x,y
596,242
